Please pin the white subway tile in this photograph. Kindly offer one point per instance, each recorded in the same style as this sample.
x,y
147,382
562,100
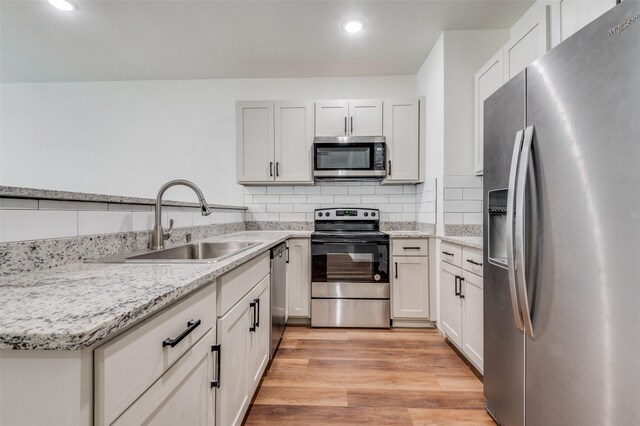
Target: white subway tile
x,y
390,207
387,190
376,199
402,217
143,221
59,205
320,199
266,199
198,220
463,206
234,217
347,199
217,217
472,194
118,207
453,218
266,217
310,217
257,208
306,190
248,199
402,198
409,207
293,199
18,204
409,189
384,217
362,190
280,190
180,219
305,208
293,217
453,193
472,218
255,189
90,223
348,183
278,208
463,182
20,225
334,190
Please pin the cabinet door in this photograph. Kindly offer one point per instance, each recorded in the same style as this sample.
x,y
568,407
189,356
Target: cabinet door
x,y
577,14
450,303
183,395
331,118
299,278
365,117
472,326
254,142
410,287
233,396
260,339
293,141
530,39
403,140
488,80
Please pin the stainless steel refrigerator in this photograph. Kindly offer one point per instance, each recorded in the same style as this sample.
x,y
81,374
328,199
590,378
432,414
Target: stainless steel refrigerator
x,y
562,233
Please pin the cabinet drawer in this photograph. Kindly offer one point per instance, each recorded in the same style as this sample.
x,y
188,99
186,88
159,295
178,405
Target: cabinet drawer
x,y
126,366
451,254
472,260
410,247
235,284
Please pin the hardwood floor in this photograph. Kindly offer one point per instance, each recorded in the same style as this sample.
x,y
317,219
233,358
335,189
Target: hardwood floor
x,y
376,377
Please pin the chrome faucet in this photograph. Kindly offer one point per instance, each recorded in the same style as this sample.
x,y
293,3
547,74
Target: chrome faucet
x,y
159,235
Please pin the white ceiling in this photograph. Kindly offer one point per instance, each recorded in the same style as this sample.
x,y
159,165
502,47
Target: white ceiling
x,y
186,39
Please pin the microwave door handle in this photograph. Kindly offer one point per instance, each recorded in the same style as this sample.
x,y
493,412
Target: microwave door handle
x,y
345,124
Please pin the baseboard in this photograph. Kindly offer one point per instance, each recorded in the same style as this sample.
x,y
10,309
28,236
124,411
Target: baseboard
x,y
412,323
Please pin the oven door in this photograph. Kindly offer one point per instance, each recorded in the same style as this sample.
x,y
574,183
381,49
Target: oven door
x,y
349,159
350,269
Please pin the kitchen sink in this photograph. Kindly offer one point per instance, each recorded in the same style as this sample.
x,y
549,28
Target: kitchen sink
x,y
188,253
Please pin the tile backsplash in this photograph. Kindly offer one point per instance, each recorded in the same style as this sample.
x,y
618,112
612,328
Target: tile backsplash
x,y
297,203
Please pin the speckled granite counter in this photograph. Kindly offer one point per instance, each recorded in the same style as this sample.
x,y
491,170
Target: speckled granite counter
x,y
78,305
409,234
473,242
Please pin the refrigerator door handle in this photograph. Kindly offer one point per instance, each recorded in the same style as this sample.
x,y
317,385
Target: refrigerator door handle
x,y
521,276
511,196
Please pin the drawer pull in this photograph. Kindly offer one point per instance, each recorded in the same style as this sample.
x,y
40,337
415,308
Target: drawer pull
x,y
447,253
411,248
191,325
474,263
216,383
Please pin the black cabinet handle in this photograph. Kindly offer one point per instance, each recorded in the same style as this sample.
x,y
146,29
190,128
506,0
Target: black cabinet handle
x,y
396,270
411,248
474,263
257,302
216,382
461,295
351,124
252,305
287,261
447,253
191,325
456,286
389,167
277,168
345,125
270,168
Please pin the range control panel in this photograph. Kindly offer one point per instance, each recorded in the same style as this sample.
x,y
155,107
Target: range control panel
x,y
347,214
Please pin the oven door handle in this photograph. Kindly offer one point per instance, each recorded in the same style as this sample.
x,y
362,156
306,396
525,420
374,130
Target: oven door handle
x,y
349,242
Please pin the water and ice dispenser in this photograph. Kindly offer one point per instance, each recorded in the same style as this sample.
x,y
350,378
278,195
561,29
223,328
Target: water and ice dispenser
x,y
497,225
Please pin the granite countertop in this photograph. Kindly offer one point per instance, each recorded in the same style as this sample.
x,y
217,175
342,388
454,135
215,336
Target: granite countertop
x,y
75,306
409,234
473,242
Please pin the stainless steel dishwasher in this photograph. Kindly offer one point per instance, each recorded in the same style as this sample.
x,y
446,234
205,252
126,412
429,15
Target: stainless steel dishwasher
x,y
278,294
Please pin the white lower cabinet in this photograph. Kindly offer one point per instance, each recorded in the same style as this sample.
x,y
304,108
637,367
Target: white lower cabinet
x,y
461,305
298,278
243,336
183,395
410,289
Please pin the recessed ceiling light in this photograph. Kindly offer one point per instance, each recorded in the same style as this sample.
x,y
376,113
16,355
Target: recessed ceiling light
x,y
353,26
65,5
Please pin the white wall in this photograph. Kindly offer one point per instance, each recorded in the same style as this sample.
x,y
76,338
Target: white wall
x,y
127,138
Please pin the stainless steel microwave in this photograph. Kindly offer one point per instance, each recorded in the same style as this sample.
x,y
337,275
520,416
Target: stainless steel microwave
x,y
349,157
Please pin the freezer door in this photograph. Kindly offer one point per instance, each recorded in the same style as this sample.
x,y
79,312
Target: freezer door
x,y
583,364
503,343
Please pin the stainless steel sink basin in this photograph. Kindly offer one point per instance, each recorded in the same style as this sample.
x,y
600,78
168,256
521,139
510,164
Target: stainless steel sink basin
x,y
188,253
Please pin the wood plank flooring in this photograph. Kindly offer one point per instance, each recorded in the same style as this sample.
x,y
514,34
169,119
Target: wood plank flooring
x,y
376,377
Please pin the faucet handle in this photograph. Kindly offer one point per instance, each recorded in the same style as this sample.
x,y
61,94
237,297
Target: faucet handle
x,y
167,234
189,237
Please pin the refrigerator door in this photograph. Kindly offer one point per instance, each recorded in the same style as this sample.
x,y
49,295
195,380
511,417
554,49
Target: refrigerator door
x,y
583,364
503,342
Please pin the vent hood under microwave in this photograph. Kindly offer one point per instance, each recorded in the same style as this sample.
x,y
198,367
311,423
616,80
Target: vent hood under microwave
x,y
349,158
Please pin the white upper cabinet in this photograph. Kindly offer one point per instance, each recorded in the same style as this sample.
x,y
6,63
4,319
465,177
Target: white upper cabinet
x,y
332,118
254,144
365,117
577,14
487,81
293,141
401,131
274,141
349,118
